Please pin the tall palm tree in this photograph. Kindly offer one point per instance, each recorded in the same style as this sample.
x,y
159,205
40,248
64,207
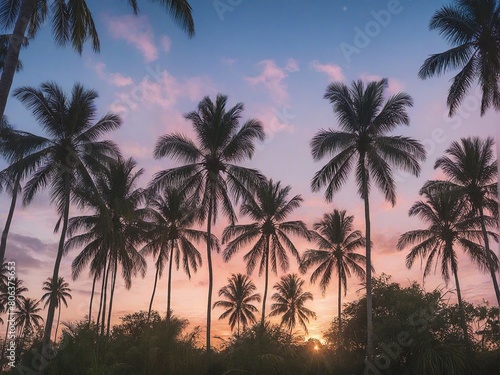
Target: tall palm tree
x,y
170,237
365,119
27,318
449,226
270,232
72,23
289,302
210,171
472,171
68,158
337,241
62,291
472,28
239,295
114,231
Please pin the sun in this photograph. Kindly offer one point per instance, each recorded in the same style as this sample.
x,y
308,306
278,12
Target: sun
x,y
316,348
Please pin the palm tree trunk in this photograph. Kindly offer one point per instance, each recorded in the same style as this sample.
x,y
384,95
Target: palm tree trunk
x,y
57,324
55,276
491,266
5,339
340,308
5,233
266,282
105,296
92,298
101,302
169,284
154,290
462,312
210,276
12,58
369,301
113,283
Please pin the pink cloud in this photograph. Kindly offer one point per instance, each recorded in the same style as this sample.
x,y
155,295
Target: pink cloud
x,y
116,79
166,43
292,65
135,31
272,78
334,72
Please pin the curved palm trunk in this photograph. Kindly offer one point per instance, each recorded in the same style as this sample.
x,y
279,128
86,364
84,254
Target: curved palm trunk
x,y
169,286
12,58
5,233
92,299
57,324
113,283
104,299
462,312
101,297
369,301
55,276
491,266
210,276
340,308
266,282
153,294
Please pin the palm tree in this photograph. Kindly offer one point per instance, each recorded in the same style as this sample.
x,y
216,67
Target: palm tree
x,y
472,171
170,237
113,232
72,23
270,232
62,291
337,242
18,286
68,158
210,172
27,318
449,225
365,119
472,28
290,300
239,295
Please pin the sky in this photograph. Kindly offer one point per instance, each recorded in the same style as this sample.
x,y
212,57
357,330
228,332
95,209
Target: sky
x,y
277,57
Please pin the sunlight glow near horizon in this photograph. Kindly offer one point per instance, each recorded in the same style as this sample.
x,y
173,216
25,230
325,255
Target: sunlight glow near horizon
x,y
151,74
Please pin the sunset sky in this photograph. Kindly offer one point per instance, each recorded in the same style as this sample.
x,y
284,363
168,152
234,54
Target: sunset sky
x,y
277,57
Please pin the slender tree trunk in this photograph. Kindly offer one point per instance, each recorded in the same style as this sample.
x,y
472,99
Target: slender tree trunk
x,y
462,312
5,233
57,324
5,340
266,282
154,290
340,308
12,58
210,276
55,276
92,299
169,283
101,297
491,266
369,301
113,283
105,297
238,327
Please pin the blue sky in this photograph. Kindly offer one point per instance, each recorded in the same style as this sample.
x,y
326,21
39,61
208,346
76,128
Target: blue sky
x,y
277,57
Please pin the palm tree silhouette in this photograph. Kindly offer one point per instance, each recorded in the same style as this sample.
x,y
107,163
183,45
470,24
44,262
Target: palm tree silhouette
x,y
289,302
68,158
270,232
239,295
337,241
19,287
365,119
113,232
449,225
472,28
62,291
170,238
210,173
27,318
